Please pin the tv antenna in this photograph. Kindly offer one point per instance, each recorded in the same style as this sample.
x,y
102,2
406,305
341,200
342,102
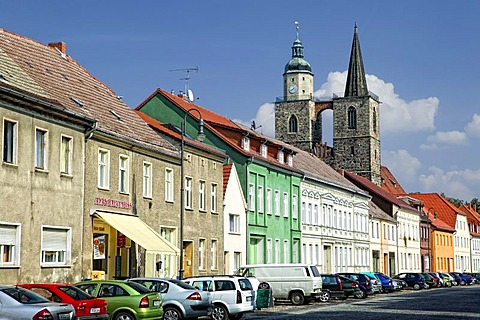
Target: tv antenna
x,y
187,78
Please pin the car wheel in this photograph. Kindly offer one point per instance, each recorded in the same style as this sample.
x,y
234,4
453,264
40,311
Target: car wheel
x,y
123,315
324,296
297,298
219,312
416,286
361,294
170,313
462,283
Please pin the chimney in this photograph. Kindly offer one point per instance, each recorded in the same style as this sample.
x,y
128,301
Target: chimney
x,y
60,46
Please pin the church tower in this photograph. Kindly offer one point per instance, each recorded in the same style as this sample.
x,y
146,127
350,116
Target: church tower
x,y
356,118
296,121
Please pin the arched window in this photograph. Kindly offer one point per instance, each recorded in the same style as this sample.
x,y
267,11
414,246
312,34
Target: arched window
x,y
293,124
352,118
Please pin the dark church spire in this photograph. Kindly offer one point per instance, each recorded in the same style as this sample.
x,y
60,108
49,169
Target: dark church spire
x,y
356,82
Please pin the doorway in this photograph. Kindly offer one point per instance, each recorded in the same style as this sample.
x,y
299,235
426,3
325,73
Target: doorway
x,y
187,259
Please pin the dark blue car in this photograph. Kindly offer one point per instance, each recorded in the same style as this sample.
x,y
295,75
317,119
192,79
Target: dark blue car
x,y
414,280
387,282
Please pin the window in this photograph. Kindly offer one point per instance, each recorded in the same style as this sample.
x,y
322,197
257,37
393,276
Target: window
x,y
168,261
214,254
293,124
66,155
269,250
286,251
147,179
41,149
352,118
201,195
294,207
281,158
290,160
56,244
277,203
201,254
188,192
246,143
251,197
277,251
123,174
237,260
269,201
168,184
213,197
260,199
286,206
9,244
10,141
103,168
264,150
234,223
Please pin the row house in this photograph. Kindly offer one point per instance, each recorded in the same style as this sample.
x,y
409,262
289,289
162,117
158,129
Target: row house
x,y
383,244
473,219
270,183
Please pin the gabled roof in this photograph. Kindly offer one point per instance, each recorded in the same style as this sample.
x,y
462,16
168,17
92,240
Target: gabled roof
x,y
389,182
48,73
446,211
473,217
378,213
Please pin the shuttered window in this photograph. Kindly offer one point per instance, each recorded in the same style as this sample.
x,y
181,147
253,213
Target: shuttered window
x,y
9,246
55,246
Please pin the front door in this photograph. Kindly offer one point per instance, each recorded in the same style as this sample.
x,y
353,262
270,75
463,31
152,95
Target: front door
x,y
187,259
327,259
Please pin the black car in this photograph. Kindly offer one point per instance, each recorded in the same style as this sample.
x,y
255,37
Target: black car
x,y
364,283
332,287
413,279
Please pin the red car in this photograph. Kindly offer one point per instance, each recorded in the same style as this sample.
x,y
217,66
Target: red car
x,y
86,306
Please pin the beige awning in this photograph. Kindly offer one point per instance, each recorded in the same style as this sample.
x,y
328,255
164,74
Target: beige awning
x,y
134,228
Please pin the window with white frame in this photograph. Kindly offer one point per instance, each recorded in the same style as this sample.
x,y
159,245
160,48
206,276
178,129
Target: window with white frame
x,y
201,195
66,145
147,179
56,246
286,251
281,158
103,168
251,197
290,160
277,202
214,254
9,244
213,197
246,143
41,144
169,184
309,213
277,250
269,250
304,212
264,150
237,260
123,173
294,207
269,201
188,193
286,205
201,254
10,141
234,221
260,199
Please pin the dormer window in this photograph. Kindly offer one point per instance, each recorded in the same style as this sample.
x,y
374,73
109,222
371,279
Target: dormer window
x,y
280,156
263,150
290,160
246,143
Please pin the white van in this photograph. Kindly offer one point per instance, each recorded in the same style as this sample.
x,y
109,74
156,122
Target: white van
x,y
299,283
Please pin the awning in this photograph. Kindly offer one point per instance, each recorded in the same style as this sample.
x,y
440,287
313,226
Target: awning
x,y
138,231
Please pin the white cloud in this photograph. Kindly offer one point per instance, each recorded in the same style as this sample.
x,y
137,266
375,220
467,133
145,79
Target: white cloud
x,y
396,114
460,184
429,147
448,137
472,129
403,164
264,120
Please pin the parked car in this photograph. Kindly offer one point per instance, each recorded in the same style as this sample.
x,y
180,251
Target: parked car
x,y
468,279
448,276
351,288
126,300
431,281
364,283
179,299
332,288
20,303
399,284
387,282
457,278
377,284
440,279
413,279
232,296
86,306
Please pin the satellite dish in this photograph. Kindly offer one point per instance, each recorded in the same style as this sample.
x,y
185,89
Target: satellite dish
x,y
190,95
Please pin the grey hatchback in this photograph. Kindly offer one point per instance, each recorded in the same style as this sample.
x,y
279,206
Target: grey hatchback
x,y
179,299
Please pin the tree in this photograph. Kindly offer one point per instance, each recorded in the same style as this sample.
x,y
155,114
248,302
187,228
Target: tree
x,y
456,202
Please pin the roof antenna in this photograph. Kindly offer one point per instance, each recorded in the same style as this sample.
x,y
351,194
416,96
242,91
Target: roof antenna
x,y
187,78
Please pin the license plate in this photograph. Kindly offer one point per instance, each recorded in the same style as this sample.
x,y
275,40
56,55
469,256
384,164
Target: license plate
x,y
156,303
63,316
249,298
94,310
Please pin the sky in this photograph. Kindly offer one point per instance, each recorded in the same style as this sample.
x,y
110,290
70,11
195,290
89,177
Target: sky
x,y
421,58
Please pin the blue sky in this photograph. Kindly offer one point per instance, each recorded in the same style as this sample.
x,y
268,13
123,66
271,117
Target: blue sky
x,y
421,59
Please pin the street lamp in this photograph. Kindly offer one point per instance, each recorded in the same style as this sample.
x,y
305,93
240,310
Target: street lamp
x,y
200,137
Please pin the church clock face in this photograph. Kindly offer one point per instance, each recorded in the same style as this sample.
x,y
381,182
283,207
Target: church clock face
x,y
292,88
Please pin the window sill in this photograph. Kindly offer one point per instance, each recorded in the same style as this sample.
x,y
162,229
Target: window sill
x,y
40,170
126,193
9,266
202,210
43,265
66,175
235,233
214,213
103,188
10,164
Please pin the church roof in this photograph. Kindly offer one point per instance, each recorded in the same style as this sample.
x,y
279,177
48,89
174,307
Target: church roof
x,y
356,82
297,63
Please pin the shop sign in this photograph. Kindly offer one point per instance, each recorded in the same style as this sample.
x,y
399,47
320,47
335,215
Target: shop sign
x,y
112,203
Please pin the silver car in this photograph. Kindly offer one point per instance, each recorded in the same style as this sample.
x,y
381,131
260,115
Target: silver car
x,y
180,300
20,303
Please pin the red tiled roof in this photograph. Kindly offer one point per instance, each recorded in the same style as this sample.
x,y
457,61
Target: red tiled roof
x,y
446,211
227,169
389,182
44,71
473,217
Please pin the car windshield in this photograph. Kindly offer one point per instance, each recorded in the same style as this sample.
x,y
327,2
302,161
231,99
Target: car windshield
x,y
138,287
75,293
24,296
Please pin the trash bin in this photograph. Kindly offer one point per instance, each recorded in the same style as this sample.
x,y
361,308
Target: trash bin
x,y
264,296
98,275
